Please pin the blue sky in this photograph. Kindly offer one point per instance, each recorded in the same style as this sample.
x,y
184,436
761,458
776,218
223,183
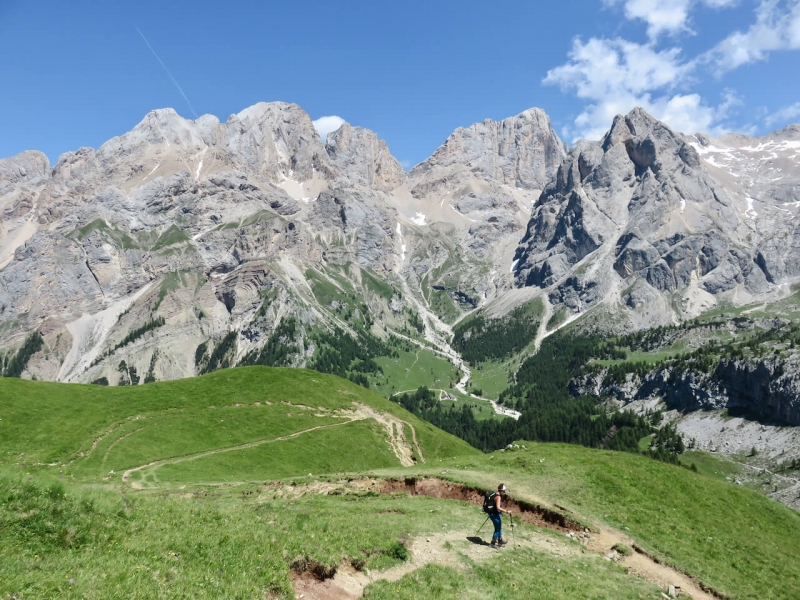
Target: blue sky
x,y
78,73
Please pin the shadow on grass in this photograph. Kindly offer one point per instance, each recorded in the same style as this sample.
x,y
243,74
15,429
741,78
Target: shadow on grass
x,y
477,541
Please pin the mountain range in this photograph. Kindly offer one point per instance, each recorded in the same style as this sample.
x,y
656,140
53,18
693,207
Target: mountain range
x,y
182,247
197,221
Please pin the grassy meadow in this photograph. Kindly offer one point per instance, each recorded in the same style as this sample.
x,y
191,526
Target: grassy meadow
x,y
412,370
491,377
741,543
238,477
86,431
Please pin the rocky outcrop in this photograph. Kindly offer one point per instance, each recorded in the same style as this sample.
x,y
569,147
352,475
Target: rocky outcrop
x,y
24,170
639,206
362,158
354,214
520,151
50,274
22,181
767,390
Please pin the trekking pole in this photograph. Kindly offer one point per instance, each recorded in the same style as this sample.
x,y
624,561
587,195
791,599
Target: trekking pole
x,y
513,533
481,527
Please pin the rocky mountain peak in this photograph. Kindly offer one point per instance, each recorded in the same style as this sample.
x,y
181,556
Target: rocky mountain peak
x,y
362,157
24,168
645,138
521,151
639,204
276,140
656,223
788,133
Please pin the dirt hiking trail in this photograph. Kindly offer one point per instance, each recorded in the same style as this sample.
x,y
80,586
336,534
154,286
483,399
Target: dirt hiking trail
x,y
453,547
449,549
394,427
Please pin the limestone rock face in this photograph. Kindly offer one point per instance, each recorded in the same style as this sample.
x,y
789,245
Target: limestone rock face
x,y
25,169
763,177
640,205
766,388
22,181
362,158
482,183
354,214
520,151
193,221
49,274
276,139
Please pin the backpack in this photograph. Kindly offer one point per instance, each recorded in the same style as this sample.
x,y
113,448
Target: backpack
x,y
488,502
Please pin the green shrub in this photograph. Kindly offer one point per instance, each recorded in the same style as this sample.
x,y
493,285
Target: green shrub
x,y
399,551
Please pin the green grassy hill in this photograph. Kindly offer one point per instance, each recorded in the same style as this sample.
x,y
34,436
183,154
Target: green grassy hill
x,y
232,425
218,501
739,542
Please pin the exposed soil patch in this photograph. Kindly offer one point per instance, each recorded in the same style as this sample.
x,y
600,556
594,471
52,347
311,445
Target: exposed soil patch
x,y
691,582
403,448
308,587
312,567
448,549
643,564
526,512
330,583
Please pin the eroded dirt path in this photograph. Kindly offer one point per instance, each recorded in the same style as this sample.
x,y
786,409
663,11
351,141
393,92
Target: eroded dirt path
x,y
641,564
396,430
452,547
187,457
107,433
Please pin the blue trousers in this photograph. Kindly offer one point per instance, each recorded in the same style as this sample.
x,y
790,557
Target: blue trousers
x,y
498,525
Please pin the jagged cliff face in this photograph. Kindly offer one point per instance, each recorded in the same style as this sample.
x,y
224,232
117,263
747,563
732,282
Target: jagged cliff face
x,y
766,389
183,218
641,220
521,151
364,159
480,185
762,175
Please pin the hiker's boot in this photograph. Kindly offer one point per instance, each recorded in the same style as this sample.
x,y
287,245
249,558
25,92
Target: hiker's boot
x,y
494,542
501,542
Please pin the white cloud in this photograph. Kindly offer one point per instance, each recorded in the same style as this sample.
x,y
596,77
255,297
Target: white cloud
x,y
689,114
784,115
661,17
664,17
615,76
326,125
777,27
601,67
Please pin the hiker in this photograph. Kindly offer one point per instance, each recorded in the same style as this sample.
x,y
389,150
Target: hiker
x,y
494,515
